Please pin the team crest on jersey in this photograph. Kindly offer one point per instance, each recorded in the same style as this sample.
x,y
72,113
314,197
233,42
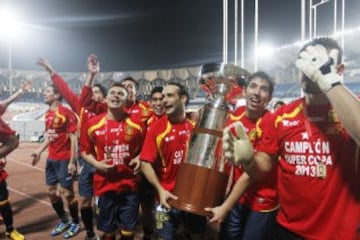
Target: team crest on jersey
x,y
333,118
252,134
334,126
129,131
56,122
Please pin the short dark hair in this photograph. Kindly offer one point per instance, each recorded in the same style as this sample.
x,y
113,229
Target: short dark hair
x,y
132,80
119,84
264,76
157,89
279,102
102,89
326,42
182,91
56,91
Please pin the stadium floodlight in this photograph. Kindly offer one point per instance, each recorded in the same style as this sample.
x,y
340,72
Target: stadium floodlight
x,y
9,27
9,24
264,51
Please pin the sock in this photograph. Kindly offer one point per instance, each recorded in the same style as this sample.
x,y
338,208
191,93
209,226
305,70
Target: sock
x,y
74,211
108,237
7,214
126,235
59,209
87,217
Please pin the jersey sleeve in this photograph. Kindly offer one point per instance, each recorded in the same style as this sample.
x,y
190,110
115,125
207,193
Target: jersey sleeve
x,y
85,96
149,151
5,131
72,120
66,92
85,143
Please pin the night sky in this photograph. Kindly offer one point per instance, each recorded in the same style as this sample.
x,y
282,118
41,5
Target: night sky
x,y
149,34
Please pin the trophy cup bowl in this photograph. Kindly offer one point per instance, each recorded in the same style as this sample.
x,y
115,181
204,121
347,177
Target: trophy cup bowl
x,y
201,181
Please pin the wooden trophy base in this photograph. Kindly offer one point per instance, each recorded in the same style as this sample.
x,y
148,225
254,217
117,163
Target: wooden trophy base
x,y
198,187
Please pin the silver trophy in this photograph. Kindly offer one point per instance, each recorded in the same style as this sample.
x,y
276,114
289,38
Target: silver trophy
x,y
201,181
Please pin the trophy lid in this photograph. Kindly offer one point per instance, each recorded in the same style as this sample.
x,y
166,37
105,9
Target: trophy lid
x,y
213,74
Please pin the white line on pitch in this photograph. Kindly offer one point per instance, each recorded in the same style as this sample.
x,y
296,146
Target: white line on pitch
x,y
29,196
25,164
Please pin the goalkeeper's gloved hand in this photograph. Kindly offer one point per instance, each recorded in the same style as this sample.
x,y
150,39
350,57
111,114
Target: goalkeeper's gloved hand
x,y
236,144
319,66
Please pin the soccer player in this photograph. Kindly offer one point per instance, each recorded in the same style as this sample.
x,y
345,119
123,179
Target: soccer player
x,y
86,106
61,141
146,190
156,104
9,142
249,212
111,144
314,142
136,108
164,149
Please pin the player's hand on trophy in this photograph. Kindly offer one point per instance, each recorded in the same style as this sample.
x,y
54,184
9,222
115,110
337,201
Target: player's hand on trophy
x,y
218,214
165,196
320,66
236,144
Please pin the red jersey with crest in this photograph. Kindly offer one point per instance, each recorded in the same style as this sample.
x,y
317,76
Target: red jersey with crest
x,y
260,196
166,146
58,124
319,172
140,110
120,141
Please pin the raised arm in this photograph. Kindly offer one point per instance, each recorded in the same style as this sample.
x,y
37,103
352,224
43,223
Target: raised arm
x,y
65,91
347,108
86,92
25,86
321,66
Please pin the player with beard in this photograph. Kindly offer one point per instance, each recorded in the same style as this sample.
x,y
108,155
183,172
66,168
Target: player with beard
x,y
314,142
249,212
164,149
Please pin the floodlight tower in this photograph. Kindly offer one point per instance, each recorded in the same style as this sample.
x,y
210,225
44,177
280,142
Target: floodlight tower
x,y
9,26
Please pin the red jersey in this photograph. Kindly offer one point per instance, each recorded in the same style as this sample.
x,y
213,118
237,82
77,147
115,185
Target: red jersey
x,y
5,130
58,124
67,93
166,146
5,133
153,119
121,139
140,110
319,172
260,196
